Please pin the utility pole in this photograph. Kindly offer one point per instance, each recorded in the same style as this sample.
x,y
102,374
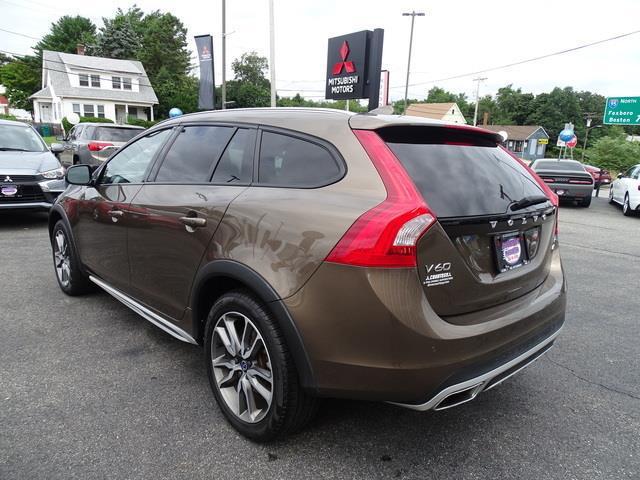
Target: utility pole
x,y
413,16
272,55
475,114
224,54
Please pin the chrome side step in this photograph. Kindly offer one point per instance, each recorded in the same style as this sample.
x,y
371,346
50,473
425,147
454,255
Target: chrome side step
x,y
144,312
468,390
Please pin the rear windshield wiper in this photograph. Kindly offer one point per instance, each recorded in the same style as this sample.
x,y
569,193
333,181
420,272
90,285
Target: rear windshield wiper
x,y
9,149
528,201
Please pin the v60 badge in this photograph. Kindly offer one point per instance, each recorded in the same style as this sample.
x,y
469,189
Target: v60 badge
x,y
437,274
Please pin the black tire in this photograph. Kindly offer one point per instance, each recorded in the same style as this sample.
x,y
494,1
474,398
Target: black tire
x,y
74,281
290,408
611,201
626,208
586,201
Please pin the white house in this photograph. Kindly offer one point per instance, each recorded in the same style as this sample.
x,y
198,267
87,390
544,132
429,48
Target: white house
x,y
92,87
449,112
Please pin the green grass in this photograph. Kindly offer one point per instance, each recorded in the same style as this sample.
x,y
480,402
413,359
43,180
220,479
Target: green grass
x,y
50,140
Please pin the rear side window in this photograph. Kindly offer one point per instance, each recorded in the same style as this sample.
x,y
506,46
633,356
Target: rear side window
x,y
115,134
236,164
287,161
461,175
193,155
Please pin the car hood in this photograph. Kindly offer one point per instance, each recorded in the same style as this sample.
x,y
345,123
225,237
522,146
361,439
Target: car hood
x,y
27,163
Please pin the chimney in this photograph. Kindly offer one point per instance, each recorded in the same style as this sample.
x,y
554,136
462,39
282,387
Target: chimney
x,y
81,49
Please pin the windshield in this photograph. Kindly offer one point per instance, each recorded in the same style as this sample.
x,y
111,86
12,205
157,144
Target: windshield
x,y
20,138
557,165
115,134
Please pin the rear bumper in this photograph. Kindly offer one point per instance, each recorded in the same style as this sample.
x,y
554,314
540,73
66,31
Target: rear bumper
x,y
572,191
371,334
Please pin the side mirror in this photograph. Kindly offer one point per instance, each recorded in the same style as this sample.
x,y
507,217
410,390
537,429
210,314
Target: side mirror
x,y
79,175
60,138
621,175
57,148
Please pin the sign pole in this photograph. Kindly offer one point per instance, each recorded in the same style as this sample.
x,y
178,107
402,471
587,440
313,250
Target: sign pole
x,y
375,67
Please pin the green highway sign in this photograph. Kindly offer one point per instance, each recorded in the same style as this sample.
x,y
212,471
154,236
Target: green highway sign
x,y
622,111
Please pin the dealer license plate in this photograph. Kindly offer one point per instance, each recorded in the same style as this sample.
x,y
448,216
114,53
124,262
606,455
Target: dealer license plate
x,y
510,251
9,190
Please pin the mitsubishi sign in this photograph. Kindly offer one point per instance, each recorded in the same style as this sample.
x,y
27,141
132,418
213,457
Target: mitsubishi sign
x,y
353,66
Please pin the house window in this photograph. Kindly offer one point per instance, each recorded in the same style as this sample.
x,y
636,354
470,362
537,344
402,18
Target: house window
x,y
116,82
88,111
100,111
95,81
133,111
76,109
84,80
126,83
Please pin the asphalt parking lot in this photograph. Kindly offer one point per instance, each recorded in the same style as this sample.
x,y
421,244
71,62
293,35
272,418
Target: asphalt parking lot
x,y
88,389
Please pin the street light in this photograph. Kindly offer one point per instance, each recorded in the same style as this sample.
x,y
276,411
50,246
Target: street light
x,y
413,16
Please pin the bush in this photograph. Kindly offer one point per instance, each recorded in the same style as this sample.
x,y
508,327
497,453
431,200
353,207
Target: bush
x,y
615,153
140,122
5,116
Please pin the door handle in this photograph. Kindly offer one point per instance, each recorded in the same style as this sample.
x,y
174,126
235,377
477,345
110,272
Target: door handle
x,y
191,223
115,215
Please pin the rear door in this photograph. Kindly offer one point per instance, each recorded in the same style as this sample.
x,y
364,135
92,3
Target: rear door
x,y
485,250
176,213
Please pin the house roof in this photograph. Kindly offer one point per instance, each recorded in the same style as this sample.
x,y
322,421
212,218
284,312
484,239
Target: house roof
x,y
430,110
516,132
44,93
56,63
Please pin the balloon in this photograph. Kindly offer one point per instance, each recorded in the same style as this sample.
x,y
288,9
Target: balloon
x,y
566,135
175,112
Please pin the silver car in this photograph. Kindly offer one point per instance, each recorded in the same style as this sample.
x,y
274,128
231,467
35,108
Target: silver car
x,y
567,178
93,143
31,176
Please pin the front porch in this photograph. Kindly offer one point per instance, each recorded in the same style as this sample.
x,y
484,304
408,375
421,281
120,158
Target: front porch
x,y
124,111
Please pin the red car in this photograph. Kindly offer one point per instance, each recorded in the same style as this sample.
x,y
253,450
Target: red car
x,y
600,175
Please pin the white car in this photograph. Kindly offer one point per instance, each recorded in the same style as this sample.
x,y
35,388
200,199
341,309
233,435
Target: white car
x,y
625,190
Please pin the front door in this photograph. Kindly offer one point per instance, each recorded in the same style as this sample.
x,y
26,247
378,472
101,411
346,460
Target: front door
x,y
175,215
103,212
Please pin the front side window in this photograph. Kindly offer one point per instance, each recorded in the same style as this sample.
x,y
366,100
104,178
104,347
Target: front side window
x,y
126,83
130,164
88,110
236,164
287,161
84,80
95,81
116,83
193,155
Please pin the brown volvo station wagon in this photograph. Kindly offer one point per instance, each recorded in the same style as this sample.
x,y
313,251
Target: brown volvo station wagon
x,y
318,253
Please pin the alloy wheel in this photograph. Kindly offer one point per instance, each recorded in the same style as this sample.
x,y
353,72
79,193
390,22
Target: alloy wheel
x,y
61,258
242,367
625,205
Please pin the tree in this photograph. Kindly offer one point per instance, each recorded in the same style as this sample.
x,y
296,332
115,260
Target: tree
x,y
614,152
66,33
163,44
21,78
179,91
118,38
512,107
250,87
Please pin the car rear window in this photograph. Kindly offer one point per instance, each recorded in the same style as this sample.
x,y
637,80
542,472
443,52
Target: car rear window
x,y
460,174
115,134
557,165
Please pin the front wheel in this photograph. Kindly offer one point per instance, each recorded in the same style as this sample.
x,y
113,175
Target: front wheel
x,y
626,207
66,262
611,194
251,371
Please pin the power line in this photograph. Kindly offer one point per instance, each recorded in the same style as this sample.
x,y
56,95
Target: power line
x,y
533,59
20,34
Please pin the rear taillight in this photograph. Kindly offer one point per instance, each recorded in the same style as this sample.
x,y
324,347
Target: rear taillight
x,y
386,235
581,182
548,180
97,146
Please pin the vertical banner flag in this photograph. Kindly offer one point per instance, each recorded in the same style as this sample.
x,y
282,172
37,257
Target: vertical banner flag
x,y
206,95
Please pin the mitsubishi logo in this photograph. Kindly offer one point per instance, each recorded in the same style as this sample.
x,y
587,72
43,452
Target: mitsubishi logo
x,y
8,179
345,64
